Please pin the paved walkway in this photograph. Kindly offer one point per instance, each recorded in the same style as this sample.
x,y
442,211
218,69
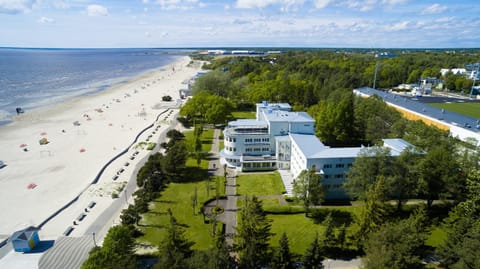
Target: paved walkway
x,y
229,216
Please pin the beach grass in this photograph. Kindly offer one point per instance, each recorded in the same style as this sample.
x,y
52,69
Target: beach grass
x,y
467,109
259,184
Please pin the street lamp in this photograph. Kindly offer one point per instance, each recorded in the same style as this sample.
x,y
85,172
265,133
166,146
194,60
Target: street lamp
x,y
94,242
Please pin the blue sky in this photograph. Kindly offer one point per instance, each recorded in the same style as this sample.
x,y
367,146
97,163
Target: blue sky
x,y
214,23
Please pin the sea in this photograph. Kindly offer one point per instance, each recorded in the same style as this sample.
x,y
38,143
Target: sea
x,y
34,78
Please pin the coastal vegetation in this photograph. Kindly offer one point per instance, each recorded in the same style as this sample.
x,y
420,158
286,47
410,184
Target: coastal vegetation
x,y
406,210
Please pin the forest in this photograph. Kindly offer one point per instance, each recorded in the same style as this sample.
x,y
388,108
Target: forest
x,y
439,178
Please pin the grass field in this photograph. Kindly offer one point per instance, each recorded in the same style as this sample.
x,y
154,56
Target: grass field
x,y
299,229
178,197
468,109
259,184
243,115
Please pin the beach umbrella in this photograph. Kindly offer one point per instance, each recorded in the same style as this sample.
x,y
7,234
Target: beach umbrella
x,y
43,133
82,150
23,145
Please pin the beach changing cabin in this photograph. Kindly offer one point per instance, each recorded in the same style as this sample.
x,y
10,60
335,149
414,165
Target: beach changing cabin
x,y
25,240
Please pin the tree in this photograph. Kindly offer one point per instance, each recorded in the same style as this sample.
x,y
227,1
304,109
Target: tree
x,y
174,136
439,175
174,249
374,213
253,234
335,121
314,255
308,188
116,252
207,108
130,216
175,159
396,245
463,229
403,183
329,238
370,164
215,82
341,236
283,258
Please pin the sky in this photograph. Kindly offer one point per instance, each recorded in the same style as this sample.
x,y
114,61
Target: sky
x,y
240,23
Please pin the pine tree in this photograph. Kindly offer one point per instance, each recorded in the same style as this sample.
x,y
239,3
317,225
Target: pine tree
x,y
253,234
175,249
314,255
329,238
283,257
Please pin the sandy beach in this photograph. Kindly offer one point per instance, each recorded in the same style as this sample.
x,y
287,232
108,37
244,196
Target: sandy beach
x,y
82,135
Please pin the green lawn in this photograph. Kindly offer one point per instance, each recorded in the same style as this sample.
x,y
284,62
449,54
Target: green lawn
x,y
299,229
468,109
178,197
259,184
244,115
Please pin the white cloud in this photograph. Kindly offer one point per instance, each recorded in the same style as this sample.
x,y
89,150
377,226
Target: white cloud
x,y
398,26
434,9
97,10
176,4
16,6
147,34
254,4
61,4
46,20
321,3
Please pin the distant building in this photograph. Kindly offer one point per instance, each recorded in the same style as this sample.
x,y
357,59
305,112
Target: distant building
x,y
25,240
281,139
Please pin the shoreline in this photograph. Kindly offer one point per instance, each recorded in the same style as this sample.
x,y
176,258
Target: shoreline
x,y
37,182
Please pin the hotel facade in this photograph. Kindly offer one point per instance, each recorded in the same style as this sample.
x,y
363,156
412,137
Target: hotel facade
x,y
281,139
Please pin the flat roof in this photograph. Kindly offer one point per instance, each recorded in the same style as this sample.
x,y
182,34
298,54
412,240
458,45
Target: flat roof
x,y
267,105
396,145
441,115
279,115
247,123
308,144
337,153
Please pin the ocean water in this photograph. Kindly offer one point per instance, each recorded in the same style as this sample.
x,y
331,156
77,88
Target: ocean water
x,y
33,78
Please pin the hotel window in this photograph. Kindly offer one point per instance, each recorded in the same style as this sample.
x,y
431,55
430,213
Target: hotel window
x,y
339,165
248,149
327,165
234,140
234,149
349,165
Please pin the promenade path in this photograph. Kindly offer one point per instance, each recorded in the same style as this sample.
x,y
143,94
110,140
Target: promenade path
x,y
229,216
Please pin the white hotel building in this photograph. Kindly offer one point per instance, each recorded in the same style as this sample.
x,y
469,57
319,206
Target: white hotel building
x,y
285,140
